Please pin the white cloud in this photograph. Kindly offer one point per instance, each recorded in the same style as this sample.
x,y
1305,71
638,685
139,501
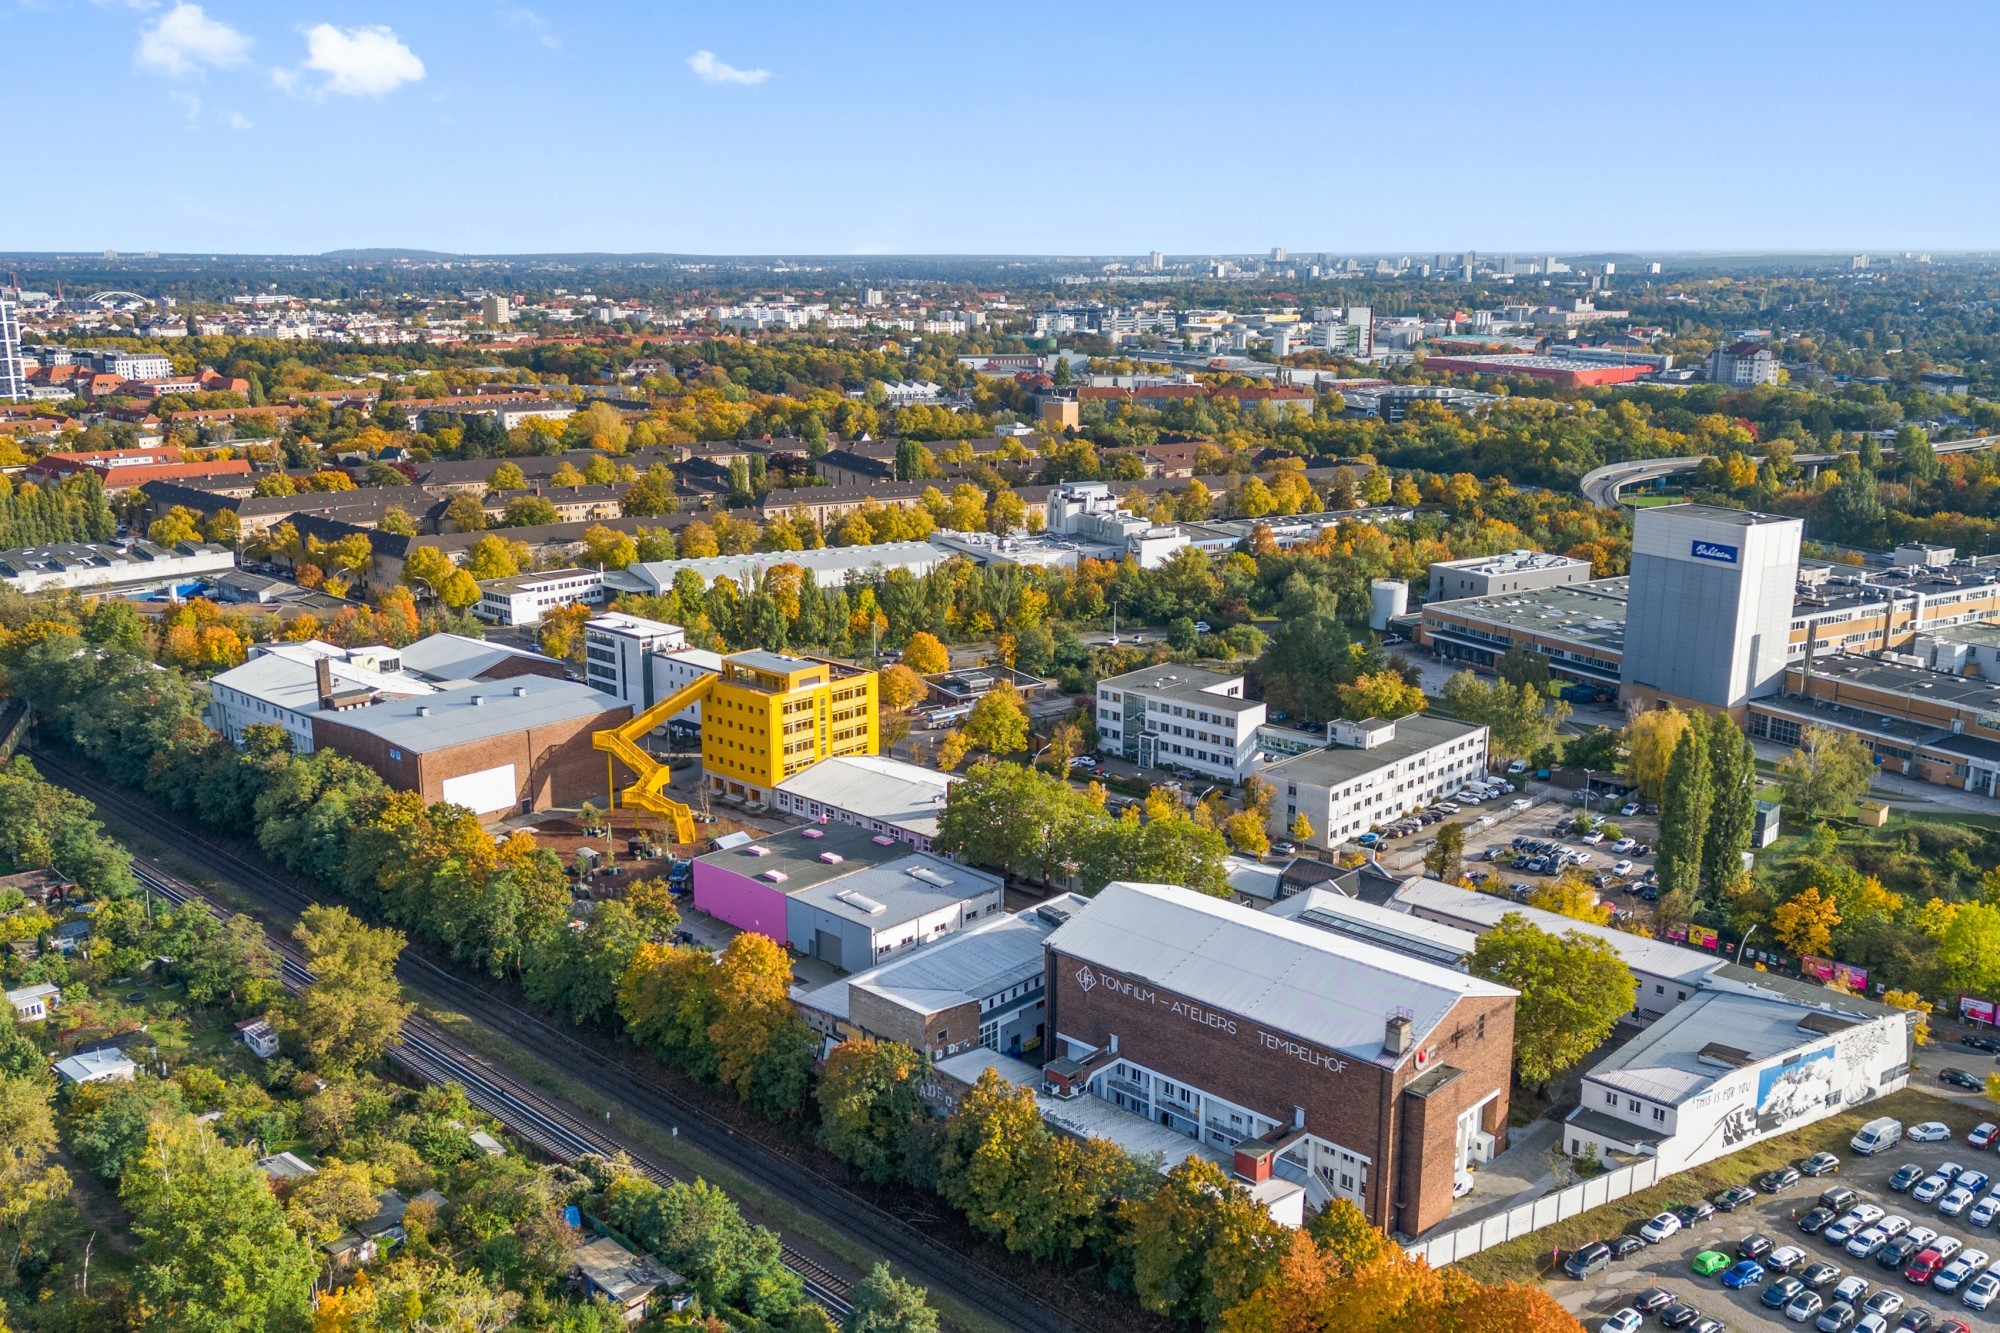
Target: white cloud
x,y
187,102
184,39
239,121
523,17
357,62
710,70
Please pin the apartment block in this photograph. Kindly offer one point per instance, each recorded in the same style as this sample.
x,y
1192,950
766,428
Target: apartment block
x,y
1377,771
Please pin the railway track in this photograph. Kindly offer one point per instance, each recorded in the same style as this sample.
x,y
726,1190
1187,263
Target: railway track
x,y
435,1058
563,1131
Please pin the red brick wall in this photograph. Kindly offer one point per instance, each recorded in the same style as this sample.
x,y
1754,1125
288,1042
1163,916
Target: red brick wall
x,y
553,765
1358,1105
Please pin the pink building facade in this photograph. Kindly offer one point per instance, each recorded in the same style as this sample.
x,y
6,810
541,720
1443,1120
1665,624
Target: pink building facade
x,y
744,901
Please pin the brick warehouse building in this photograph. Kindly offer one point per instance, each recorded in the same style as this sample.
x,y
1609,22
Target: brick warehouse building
x,y
1356,1071
521,744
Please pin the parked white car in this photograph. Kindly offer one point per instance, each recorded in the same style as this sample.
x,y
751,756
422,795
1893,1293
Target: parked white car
x,y
1624,845
1626,1320
1593,837
1960,1270
1930,1131
1984,1211
1981,1291
1660,1228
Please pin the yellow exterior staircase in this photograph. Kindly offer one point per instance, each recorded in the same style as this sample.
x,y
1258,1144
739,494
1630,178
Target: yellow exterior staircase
x,y
623,743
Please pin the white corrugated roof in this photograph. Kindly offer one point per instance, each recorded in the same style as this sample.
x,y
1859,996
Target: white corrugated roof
x,y
1482,911
1305,982
876,787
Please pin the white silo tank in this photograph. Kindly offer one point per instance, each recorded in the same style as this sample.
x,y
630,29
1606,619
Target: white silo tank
x,y
1387,599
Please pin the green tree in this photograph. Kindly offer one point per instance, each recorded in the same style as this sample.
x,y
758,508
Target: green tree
x,y
1684,812
1574,989
464,513
1825,776
576,973
1732,813
354,1009
1445,859
1041,1194
33,1190
215,1251
1519,718
887,1304
217,960
1200,1244
1523,666
870,1102
529,511
998,723
1968,948
697,1230
1169,850
652,494
1016,818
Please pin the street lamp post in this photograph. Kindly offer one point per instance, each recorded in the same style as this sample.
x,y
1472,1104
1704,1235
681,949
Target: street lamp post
x,y
1745,940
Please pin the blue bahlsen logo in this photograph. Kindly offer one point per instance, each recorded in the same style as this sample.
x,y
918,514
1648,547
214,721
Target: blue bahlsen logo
x,y
1714,551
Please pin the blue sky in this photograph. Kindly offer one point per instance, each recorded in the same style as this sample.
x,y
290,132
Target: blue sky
x,y
836,127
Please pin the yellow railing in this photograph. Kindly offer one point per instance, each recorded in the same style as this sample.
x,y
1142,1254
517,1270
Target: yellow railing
x,y
622,743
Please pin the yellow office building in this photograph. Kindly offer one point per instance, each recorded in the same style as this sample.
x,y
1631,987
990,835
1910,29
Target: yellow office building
x,y
768,715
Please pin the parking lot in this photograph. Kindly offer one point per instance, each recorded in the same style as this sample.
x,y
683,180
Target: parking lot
x,y
1622,870
1667,1265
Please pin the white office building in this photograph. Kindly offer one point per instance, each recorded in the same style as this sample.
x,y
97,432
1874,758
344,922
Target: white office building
x,y
644,661
525,598
1180,717
1725,1070
1380,770
1088,510
1743,365
13,369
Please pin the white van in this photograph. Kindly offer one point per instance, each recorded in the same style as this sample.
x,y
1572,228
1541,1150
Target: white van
x,y
1877,1136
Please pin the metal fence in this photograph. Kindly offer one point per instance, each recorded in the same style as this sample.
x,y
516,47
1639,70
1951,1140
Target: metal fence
x,y
1527,1218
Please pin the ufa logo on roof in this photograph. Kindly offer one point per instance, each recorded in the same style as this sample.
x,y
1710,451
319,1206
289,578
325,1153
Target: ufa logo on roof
x,y
1086,979
1714,551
